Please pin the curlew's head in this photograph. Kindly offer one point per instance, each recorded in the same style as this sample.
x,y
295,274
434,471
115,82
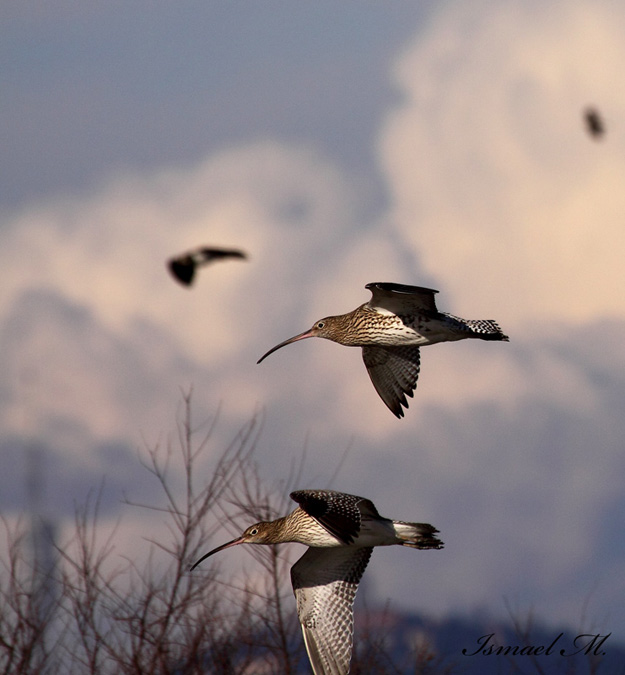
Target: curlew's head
x,y
335,328
260,533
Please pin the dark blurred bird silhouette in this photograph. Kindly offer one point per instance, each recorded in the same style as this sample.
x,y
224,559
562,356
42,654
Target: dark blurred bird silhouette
x,y
341,531
183,266
594,123
391,328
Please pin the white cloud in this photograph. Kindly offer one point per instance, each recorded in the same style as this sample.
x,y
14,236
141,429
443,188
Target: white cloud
x,y
108,330
108,252
495,182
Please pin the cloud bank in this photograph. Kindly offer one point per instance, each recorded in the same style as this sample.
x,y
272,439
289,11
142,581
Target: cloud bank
x,y
494,181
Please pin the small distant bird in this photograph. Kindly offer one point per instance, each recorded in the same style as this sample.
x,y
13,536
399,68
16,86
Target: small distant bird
x,y
390,328
183,266
341,531
594,123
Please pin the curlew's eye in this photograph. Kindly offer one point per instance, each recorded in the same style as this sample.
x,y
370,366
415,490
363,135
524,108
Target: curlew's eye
x,y
254,531
320,324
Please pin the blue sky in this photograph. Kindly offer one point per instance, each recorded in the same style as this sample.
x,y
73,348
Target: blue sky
x,y
113,86
439,146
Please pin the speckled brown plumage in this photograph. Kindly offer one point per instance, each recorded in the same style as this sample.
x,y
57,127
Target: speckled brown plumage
x,y
390,329
341,531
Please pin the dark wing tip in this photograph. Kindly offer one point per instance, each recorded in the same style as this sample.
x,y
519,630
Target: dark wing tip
x,y
395,403
398,288
314,502
335,511
397,406
211,253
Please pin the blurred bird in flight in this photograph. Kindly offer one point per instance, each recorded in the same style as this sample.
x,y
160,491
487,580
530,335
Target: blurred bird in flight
x,y
183,267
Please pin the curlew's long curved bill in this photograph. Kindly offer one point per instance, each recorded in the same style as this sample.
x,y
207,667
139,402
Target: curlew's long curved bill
x,y
301,336
234,542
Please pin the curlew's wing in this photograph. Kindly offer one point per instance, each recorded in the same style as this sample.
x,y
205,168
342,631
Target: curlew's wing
x,y
338,512
325,581
394,372
401,299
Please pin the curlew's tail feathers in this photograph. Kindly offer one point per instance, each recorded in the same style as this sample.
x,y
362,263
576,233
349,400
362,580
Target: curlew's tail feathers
x,y
417,535
486,329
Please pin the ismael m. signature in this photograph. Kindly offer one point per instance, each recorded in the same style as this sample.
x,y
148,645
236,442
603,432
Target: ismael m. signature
x,y
589,644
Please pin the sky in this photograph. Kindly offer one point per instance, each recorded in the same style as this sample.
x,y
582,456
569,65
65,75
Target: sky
x,y
439,145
